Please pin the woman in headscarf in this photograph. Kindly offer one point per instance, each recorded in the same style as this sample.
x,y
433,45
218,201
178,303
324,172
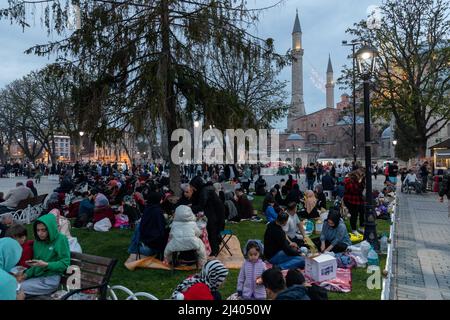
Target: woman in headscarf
x,y
334,236
102,209
321,198
231,211
295,195
10,253
203,286
30,186
219,191
311,205
52,202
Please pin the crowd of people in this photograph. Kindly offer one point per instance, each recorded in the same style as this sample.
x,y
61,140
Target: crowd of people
x,y
163,223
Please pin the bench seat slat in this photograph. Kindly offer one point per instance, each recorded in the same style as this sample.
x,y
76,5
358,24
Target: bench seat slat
x,y
91,259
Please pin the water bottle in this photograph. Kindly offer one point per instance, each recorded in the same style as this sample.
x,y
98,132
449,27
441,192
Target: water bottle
x,y
384,244
372,258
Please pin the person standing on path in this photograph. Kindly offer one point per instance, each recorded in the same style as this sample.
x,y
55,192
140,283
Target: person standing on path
x,y
424,175
445,190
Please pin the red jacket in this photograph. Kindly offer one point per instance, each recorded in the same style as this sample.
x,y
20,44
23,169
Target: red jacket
x,y
27,253
198,291
353,191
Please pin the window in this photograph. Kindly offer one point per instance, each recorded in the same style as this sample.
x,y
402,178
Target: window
x,y
312,125
312,138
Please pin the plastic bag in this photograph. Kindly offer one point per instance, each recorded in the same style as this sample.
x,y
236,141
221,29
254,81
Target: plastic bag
x,y
121,219
356,238
74,245
103,225
365,247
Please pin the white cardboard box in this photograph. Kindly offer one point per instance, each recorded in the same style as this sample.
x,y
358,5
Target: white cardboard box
x,y
321,268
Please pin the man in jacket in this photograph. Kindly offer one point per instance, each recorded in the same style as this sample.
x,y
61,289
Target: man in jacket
x,y
277,248
206,200
14,196
445,190
424,175
51,258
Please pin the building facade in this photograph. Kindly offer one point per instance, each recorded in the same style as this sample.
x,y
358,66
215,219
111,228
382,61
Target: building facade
x,y
326,133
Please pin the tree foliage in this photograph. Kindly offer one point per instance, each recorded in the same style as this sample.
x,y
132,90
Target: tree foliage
x,y
412,81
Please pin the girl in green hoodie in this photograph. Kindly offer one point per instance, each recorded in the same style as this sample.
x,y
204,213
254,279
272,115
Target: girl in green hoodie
x,y
51,258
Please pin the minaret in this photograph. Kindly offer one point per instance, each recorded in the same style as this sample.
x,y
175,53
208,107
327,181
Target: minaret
x,y
297,103
330,85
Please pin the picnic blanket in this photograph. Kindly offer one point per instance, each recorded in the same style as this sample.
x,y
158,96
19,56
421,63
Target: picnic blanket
x,y
231,262
342,282
237,259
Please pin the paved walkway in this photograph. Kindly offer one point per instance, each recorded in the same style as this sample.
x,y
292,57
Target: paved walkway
x,y
421,259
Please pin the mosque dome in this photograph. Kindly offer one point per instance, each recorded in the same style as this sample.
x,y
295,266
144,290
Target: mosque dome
x,y
387,133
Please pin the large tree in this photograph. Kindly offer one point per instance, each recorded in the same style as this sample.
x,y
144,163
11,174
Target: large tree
x,y
412,80
152,56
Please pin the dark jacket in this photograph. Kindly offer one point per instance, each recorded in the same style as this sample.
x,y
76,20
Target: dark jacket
x,y
207,200
310,173
244,208
296,292
275,241
321,201
260,187
445,186
153,228
327,183
293,196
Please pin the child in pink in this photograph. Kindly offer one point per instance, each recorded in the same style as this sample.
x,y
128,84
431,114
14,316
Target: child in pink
x,y
249,287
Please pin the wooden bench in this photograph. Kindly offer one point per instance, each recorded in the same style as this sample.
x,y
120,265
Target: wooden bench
x,y
95,274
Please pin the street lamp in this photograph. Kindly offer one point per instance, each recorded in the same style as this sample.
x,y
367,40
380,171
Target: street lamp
x,y
353,45
394,142
366,57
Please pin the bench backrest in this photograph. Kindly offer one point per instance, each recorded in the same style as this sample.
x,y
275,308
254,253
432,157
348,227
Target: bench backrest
x,y
23,204
39,199
95,271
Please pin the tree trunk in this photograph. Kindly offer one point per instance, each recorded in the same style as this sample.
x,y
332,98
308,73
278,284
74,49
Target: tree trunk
x,y
169,97
422,149
2,154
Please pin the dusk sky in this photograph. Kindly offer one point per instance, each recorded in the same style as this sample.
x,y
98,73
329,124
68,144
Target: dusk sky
x,y
323,24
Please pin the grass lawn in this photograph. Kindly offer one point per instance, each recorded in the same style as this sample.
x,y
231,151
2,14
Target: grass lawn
x,y
162,283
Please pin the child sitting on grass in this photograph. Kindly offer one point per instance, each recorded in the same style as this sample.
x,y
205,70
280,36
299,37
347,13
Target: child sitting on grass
x,y
271,214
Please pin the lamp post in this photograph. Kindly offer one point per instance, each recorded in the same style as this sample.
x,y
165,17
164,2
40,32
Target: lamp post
x,y
366,57
81,133
353,45
394,143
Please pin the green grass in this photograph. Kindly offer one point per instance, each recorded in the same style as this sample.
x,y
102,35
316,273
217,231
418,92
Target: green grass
x,y
160,283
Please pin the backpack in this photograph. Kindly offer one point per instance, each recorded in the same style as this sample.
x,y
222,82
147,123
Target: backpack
x,y
345,261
